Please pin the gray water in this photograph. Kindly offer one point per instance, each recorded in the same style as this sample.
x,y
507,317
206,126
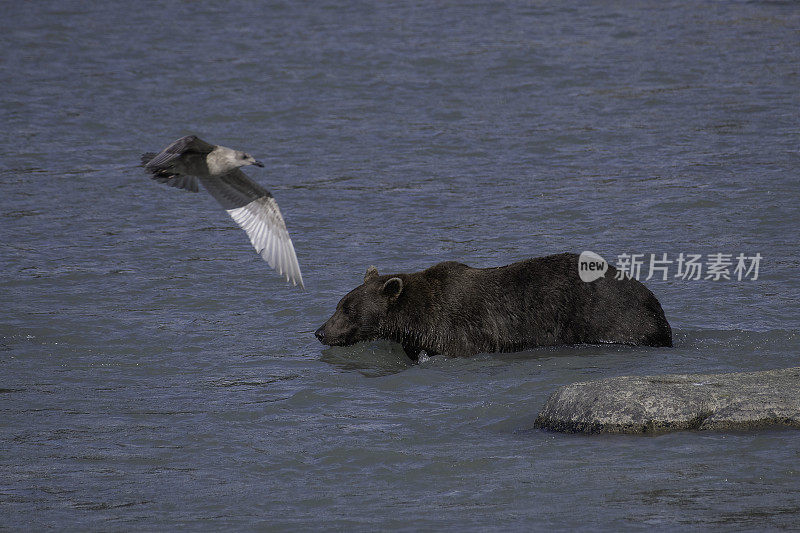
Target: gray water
x,y
155,374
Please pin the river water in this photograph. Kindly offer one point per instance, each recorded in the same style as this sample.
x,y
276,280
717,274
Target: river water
x,y
155,374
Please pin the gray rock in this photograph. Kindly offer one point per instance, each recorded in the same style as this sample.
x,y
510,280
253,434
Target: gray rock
x,y
657,404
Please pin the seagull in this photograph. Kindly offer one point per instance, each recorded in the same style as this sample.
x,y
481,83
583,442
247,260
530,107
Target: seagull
x,y
190,160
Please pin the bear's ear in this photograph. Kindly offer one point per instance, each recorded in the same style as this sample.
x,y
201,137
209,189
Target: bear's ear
x,y
372,272
392,288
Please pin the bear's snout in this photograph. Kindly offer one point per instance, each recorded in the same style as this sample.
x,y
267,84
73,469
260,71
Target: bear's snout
x,y
320,333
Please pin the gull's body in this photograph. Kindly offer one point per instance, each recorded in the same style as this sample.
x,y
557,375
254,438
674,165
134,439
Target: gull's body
x,y
190,160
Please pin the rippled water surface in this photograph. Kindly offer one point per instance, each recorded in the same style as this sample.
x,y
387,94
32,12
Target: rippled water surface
x,y
155,374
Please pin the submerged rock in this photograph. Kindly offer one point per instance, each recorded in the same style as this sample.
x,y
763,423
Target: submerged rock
x,y
657,404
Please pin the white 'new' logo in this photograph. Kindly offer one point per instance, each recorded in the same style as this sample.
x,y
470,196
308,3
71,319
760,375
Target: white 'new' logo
x,y
591,266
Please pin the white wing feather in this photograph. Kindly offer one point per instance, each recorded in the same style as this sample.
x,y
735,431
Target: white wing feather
x,y
262,221
255,210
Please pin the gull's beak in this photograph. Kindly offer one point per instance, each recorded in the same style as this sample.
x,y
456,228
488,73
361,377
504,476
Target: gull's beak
x,y
258,164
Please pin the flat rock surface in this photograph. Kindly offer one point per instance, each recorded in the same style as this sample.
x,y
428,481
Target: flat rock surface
x,y
657,404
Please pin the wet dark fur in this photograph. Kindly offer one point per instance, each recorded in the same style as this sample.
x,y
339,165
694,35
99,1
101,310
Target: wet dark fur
x,y
458,310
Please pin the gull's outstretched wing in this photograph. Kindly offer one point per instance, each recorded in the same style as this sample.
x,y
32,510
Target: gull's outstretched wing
x,y
171,178
256,211
161,165
184,145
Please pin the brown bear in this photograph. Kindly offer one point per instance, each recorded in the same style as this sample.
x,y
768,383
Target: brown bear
x,y
457,310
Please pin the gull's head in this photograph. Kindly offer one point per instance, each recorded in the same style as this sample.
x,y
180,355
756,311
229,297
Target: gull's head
x,y
243,159
227,159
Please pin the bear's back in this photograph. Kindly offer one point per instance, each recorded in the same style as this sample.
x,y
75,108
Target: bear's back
x,y
542,301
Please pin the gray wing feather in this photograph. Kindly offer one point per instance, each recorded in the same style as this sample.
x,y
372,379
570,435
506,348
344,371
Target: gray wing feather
x,y
161,166
177,180
255,210
190,143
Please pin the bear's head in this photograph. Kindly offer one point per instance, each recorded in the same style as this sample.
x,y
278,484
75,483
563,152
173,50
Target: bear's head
x,y
362,313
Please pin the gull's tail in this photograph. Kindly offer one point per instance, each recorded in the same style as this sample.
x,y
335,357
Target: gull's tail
x,y
147,157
